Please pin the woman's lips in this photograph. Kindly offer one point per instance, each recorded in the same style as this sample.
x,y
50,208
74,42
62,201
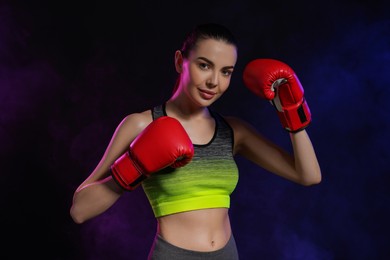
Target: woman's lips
x,y
206,94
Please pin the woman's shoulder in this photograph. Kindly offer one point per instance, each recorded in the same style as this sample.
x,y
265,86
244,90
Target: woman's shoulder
x,y
144,116
240,127
136,122
234,122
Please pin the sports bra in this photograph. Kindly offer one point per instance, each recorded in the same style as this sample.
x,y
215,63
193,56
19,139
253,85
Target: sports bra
x,y
206,182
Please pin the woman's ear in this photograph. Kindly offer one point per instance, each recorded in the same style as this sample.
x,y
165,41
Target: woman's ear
x,y
178,61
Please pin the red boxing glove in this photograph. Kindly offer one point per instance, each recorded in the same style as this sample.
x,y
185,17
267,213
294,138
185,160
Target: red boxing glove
x,y
276,81
163,143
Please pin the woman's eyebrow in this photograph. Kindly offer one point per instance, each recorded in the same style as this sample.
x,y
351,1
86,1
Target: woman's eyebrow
x,y
212,63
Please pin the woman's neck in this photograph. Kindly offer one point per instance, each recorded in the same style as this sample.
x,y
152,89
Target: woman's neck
x,y
185,110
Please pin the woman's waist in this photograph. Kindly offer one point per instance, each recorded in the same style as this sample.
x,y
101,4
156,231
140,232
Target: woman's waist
x,y
199,230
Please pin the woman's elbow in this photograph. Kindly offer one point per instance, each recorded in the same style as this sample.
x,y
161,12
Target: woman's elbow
x,y
76,215
314,180
311,183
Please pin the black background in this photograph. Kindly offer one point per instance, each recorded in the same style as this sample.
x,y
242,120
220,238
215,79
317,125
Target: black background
x,y
70,71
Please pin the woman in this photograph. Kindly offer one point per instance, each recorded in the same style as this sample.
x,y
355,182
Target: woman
x,y
191,201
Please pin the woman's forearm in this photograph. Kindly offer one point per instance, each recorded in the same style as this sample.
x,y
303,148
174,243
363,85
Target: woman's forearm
x,y
93,199
306,163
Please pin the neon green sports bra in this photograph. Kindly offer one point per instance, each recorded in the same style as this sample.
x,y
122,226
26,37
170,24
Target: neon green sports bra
x,y
206,182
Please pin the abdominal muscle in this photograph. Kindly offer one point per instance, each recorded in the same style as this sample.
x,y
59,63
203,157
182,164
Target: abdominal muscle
x,y
199,230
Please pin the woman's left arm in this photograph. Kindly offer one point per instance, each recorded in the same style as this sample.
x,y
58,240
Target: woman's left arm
x,y
305,159
301,167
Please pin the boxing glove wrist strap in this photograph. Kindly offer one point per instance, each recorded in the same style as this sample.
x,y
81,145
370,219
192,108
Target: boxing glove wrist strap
x,y
296,118
126,173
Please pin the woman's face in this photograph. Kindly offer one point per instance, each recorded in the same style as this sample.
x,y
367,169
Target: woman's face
x,y
206,73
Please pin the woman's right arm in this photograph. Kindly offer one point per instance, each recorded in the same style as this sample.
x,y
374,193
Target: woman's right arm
x,y
99,191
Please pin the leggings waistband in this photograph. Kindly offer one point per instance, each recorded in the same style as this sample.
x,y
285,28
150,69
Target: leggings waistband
x,y
163,250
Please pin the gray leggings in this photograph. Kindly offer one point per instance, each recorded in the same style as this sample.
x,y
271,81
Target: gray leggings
x,y
162,250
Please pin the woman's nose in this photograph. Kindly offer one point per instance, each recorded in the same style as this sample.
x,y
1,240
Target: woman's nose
x,y
212,82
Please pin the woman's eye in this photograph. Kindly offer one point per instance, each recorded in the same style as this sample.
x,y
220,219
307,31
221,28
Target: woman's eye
x,y
204,66
227,72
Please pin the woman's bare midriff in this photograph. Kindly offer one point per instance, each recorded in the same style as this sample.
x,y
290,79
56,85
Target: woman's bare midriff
x,y
199,230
